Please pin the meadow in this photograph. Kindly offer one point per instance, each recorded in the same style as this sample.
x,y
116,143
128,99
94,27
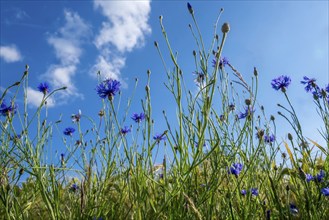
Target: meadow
x,y
219,162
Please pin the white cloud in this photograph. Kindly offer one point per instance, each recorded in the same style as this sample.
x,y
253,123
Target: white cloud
x,y
66,50
10,54
125,28
67,44
34,98
126,25
109,69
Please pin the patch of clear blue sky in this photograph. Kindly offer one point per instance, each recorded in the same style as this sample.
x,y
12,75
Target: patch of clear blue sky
x,y
278,37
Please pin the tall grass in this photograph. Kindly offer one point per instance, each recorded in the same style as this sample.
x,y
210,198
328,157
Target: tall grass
x,y
222,160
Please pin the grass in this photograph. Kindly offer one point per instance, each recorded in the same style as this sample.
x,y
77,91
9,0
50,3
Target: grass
x,y
219,163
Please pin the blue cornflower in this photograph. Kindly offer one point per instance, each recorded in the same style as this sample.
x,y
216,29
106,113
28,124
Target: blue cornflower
x,y
327,88
159,137
254,191
235,169
69,131
108,88
268,214
44,88
309,177
62,156
125,130
248,111
7,110
282,82
269,138
138,117
74,187
222,62
319,177
310,83
293,208
325,191
243,192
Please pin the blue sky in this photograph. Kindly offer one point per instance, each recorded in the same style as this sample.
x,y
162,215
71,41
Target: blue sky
x,y
67,42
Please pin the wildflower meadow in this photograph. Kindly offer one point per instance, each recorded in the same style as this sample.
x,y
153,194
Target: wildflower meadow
x,y
220,159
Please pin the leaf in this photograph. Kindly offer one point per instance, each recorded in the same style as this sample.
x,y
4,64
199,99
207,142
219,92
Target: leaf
x,y
289,152
319,146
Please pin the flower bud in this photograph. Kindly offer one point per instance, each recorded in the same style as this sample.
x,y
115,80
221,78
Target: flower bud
x,y
255,72
289,137
225,28
190,9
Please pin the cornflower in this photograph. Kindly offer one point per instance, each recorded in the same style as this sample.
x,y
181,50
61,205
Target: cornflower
x,y
254,191
44,88
222,62
235,169
269,138
125,130
248,111
138,117
159,137
281,82
108,88
293,208
325,191
310,83
8,110
68,131
319,177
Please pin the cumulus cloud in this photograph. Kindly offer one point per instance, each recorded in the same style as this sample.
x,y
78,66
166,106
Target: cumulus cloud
x,y
10,53
34,98
67,44
124,29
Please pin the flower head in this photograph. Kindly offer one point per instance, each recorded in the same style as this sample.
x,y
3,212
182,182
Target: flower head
x,y
200,78
231,107
325,191
254,191
319,177
248,111
159,137
7,110
125,130
76,117
243,192
44,88
138,117
309,177
74,187
69,131
327,88
235,169
222,62
282,82
293,208
269,138
310,83
108,88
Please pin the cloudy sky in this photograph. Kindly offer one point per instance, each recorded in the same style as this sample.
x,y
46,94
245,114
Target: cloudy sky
x,y
67,42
